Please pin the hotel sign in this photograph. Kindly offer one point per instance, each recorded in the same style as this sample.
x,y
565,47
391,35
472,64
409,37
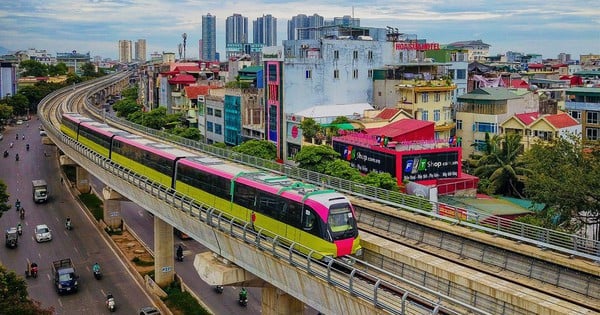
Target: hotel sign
x,y
417,46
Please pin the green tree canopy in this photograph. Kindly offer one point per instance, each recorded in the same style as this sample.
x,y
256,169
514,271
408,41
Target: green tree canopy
x,y
309,128
380,180
188,133
316,157
130,93
19,103
4,206
565,175
259,148
126,107
500,168
342,169
58,69
14,298
33,68
6,111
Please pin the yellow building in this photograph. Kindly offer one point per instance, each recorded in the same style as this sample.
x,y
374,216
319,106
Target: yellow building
x,y
534,127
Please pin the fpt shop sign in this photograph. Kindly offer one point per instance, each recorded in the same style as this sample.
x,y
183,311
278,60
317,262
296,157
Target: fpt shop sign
x,y
366,160
430,166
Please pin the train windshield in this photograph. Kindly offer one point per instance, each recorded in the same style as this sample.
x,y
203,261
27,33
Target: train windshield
x,y
341,221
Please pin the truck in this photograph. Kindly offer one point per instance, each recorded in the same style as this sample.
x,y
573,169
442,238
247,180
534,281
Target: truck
x,y
40,190
65,278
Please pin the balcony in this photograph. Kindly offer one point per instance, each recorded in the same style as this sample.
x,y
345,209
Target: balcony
x,y
426,85
582,106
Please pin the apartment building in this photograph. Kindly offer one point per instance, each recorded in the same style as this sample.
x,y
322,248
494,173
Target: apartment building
x,y
583,104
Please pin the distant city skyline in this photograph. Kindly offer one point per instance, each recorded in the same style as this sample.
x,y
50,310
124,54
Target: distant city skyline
x,y
541,27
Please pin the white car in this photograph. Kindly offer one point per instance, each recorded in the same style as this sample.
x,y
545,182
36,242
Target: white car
x,y
42,233
19,122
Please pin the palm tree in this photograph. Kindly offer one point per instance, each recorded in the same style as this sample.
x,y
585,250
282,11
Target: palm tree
x,y
501,165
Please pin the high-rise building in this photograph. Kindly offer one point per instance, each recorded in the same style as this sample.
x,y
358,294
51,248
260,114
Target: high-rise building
x,y
209,37
125,50
346,20
265,30
236,29
304,27
140,50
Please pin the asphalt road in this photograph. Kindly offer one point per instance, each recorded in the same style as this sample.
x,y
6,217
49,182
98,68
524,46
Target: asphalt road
x,y
84,244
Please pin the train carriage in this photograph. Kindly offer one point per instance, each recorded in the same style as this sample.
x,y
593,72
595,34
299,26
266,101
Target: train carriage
x,y
98,136
70,124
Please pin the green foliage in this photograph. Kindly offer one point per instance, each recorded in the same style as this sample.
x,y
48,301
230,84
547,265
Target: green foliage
x,y
4,205
182,302
94,204
565,175
58,69
501,165
88,70
310,128
220,145
342,169
14,298
263,149
130,93
188,133
126,107
6,111
340,120
380,180
33,68
316,157
140,262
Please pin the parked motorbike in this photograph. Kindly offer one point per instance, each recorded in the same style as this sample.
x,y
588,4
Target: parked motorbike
x,y
219,289
110,302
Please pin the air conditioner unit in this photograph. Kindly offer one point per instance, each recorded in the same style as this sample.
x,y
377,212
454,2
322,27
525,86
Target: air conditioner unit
x,y
304,46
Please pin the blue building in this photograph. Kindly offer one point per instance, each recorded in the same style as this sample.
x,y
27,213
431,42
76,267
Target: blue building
x,y
265,30
209,37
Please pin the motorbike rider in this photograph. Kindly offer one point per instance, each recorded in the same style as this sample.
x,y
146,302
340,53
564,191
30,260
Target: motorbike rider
x,y
5,153
17,157
27,147
68,223
22,213
180,253
96,268
19,228
18,204
243,294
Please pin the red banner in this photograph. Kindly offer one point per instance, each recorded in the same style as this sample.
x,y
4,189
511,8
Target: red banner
x,y
417,46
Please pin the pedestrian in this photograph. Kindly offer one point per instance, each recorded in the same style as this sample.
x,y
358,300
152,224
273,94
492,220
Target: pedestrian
x,y
45,154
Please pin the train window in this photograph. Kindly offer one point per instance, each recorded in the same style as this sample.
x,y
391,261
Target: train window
x,y
272,205
310,223
294,214
340,218
245,196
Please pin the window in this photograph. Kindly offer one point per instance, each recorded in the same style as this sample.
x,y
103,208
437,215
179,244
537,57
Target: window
x,y
575,114
355,73
485,127
336,54
425,115
592,133
218,129
336,74
458,124
370,55
209,111
308,74
436,115
479,145
370,73
437,96
425,97
461,74
592,117
218,113
355,54
209,126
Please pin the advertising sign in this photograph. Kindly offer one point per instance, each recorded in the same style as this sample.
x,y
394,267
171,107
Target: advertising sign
x,y
417,46
272,53
366,160
430,166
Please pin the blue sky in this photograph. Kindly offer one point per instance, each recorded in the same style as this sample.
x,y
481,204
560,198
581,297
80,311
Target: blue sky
x,y
546,27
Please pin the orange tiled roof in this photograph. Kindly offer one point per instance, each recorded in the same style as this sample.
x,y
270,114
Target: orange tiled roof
x,y
183,79
561,120
387,113
187,69
192,92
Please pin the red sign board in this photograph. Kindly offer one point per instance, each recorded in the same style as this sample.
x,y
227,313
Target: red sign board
x,y
417,46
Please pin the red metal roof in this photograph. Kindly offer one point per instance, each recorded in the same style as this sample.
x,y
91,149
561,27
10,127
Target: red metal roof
x,y
561,120
515,83
387,113
399,128
527,118
187,69
192,91
170,72
183,79
535,65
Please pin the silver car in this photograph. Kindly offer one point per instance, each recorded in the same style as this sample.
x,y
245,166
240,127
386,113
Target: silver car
x,y
42,233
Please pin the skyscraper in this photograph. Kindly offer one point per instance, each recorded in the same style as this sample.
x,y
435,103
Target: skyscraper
x,y
125,50
265,30
140,50
302,21
236,29
209,37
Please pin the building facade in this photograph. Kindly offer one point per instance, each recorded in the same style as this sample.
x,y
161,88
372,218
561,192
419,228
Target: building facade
x,y
8,79
264,30
302,26
140,50
125,51
209,38
477,49
583,104
236,29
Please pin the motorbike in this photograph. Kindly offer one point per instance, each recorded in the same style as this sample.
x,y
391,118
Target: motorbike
x,y
68,225
32,270
219,289
5,153
17,205
243,299
22,214
97,273
17,157
110,303
179,255
27,147
19,229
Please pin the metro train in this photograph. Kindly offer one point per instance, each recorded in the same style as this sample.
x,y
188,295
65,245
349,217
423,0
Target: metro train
x,y
322,220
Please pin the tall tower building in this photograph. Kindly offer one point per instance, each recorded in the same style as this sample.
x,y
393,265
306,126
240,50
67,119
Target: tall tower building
x,y
209,37
264,30
125,50
236,29
295,25
140,50
345,20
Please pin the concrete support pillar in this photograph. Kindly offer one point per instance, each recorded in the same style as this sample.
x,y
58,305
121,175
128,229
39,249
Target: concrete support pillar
x,y
82,178
163,252
112,208
277,302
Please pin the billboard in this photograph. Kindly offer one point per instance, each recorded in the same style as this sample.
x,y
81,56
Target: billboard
x,y
426,166
365,159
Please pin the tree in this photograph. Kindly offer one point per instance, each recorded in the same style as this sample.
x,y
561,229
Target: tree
x,y
4,206
565,176
380,180
6,112
188,133
89,70
259,148
309,128
33,68
316,157
14,298
19,103
58,69
501,166
126,107
130,93
342,169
